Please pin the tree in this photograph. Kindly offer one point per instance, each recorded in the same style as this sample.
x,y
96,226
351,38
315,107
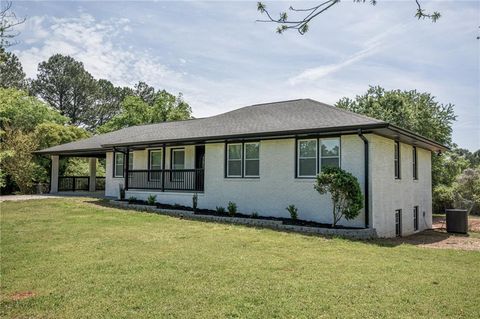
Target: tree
x,y
108,100
17,159
345,192
302,24
11,71
136,111
467,188
20,111
64,83
8,22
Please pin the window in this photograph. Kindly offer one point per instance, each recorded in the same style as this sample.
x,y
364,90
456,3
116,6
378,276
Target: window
x,y
415,218
330,152
234,160
414,162
130,161
397,160
155,164
118,164
307,158
178,163
252,159
398,223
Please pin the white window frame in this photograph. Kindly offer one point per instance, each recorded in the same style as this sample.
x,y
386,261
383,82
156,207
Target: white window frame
x,y
115,172
239,159
244,164
299,158
177,176
130,161
339,156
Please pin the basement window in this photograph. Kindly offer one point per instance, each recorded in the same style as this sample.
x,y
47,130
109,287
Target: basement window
x,y
398,223
415,218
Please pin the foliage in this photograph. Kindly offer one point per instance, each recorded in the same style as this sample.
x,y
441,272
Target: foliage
x,y
301,24
195,202
17,159
64,83
232,208
132,199
293,211
467,189
11,71
220,209
254,215
20,111
136,110
344,190
151,200
442,198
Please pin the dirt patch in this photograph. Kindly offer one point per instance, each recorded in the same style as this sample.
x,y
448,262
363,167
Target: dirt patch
x,y
22,295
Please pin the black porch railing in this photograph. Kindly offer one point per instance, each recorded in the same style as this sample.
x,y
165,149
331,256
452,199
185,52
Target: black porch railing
x,y
79,183
167,180
73,183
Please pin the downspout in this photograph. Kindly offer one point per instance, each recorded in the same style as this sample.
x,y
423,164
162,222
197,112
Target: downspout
x,y
367,173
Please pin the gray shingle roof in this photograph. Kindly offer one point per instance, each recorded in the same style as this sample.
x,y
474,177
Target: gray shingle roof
x,y
270,118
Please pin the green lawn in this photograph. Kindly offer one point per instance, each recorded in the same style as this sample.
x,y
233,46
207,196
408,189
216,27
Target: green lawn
x,y
84,260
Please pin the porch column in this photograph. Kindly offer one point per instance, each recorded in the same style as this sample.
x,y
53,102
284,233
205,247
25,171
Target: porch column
x,y
93,174
54,174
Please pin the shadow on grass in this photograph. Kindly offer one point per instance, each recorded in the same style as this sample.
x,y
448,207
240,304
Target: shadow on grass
x,y
426,237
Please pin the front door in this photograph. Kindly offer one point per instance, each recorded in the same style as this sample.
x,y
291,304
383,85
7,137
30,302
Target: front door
x,y
199,166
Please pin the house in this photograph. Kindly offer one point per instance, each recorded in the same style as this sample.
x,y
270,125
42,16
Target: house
x,y
265,157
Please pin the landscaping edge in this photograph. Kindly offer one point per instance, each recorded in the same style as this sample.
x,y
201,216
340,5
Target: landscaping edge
x,y
368,233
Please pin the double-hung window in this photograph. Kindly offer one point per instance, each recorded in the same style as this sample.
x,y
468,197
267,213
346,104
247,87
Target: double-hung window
x,y
155,164
252,159
243,160
415,218
414,163
178,163
234,160
130,161
396,159
311,159
118,164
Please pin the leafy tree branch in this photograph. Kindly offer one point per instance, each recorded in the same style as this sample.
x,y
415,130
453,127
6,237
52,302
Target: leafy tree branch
x,y
302,24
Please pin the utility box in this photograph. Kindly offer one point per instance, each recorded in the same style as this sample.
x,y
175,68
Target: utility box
x,y
457,221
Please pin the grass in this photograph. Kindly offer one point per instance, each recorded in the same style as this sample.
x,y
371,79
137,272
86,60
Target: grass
x,y
82,260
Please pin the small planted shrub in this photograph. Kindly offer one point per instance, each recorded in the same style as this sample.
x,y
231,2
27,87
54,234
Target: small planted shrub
x,y
254,215
232,208
194,202
293,211
344,190
220,209
132,199
151,200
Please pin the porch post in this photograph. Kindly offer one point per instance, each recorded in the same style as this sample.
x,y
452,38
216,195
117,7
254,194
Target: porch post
x,y
163,167
54,174
127,164
93,174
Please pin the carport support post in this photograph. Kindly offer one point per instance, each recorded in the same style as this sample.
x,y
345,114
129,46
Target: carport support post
x,y
54,174
93,174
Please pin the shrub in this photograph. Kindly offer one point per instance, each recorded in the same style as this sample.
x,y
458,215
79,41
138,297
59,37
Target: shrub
x,y
232,208
220,209
293,211
151,200
132,199
194,202
442,198
254,215
345,192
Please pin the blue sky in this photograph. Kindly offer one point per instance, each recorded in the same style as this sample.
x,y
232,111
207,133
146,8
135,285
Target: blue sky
x,y
221,59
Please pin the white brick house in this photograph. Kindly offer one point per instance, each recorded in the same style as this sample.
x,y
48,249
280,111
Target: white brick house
x,y
265,157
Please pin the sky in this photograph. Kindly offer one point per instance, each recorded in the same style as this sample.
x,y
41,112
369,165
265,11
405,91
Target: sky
x,y
220,58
